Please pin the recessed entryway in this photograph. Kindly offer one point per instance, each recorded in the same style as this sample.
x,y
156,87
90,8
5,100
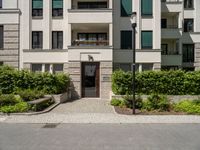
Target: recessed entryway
x,y
90,79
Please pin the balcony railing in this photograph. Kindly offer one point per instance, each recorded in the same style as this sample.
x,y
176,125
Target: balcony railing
x,y
90,43
170,27
171,1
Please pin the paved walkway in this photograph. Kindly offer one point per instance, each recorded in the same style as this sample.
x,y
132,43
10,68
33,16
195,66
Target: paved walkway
x,y
93,111
84,106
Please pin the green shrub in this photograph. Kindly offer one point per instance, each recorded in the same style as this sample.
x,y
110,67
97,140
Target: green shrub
x,y
30,95
161,82
42,106
118,102
12,80
9,99
156,102
128,100
190,107
17,108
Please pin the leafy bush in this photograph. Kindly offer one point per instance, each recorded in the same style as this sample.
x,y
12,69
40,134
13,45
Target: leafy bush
x,y
17,108
161,82
30,95
9,99
12,80
42,106
190,107
128,100
156,102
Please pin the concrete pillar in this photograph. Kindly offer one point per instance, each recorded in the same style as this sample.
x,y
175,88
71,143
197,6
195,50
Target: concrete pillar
x,y
110,4
69,35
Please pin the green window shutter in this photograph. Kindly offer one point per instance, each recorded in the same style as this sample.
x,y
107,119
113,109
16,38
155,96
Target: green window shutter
x,y
37,4
126,7
126,39
57,3
147,7
147,39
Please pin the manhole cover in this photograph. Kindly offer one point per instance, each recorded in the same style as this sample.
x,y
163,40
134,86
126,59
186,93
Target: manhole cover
x,y
50,125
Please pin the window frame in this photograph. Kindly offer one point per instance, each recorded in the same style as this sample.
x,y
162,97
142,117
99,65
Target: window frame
x,y
188,59
39,46
37,12
122,13
146,14
2,29
146,47
57,40
126,46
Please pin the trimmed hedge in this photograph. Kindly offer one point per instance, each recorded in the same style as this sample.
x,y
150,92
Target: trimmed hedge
x,y
161,82
12,80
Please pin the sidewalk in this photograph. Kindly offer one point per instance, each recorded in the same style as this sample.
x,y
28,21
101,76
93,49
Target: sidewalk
x,y
97,118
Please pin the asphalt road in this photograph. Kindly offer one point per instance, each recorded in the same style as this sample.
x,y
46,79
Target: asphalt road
x,y
100,137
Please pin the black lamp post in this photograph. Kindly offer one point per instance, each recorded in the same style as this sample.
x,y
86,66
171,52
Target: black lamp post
x,y
133,20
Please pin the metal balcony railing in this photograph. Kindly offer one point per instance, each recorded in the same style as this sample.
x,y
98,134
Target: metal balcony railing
x,y
90,43
171,1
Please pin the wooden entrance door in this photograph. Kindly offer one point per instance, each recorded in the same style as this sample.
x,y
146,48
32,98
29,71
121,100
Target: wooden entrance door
x,y
90,79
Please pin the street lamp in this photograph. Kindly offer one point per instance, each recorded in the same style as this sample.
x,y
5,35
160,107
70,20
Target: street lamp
x,y
133,20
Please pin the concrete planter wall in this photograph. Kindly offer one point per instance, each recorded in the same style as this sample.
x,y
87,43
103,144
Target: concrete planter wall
x,y
173,98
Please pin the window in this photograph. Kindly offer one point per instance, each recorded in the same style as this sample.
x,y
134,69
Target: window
x,y
188,69
163,23
37,40
57,6
36,68
164,48
147,40
188,25
1,37
57,40
147,8
188,52
57,68
126,8
188,4
47,67
92,5
92,39
126,40
37,8
147,67
0,3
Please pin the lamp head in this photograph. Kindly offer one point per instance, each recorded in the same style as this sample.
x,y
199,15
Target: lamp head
x,y
133,19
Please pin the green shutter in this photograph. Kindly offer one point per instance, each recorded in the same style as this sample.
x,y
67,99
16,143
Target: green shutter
x,y
147,39
126,39
147,7
57,3
126,7
37,4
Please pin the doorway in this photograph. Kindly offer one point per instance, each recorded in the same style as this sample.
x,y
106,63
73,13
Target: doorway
x,y
90,79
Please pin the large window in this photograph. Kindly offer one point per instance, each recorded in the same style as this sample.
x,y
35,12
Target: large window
x,y
188,52
188,4
147,40
147,7
126,8
188,25
57,40
37,39
92,5
164,48
37,8
0,3
51,68
57,6
1,37
126,40
163,23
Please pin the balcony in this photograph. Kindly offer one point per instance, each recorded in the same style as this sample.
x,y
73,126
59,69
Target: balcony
x,y
171,32
172,5
171,60
91,35
90,12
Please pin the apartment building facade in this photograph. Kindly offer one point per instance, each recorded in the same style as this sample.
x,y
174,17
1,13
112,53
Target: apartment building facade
x,y
90,38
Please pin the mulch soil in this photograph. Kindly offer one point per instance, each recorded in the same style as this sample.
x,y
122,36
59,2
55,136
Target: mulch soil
x,y
128,111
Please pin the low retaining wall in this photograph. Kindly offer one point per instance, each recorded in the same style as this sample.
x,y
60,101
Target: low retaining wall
x,y
173,98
